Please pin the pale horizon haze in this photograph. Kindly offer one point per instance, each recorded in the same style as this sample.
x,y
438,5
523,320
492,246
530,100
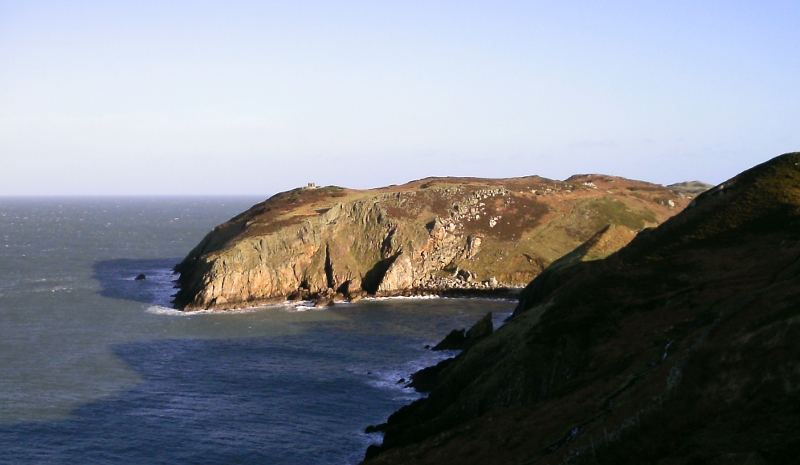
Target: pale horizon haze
x,y
253,98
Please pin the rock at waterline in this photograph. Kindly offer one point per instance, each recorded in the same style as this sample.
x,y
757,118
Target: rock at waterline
x,y
324,301
480,330
453,341
140,277
375,428
460,339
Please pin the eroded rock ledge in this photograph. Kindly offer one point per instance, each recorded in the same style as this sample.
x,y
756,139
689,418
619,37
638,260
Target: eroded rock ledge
x,y
433,236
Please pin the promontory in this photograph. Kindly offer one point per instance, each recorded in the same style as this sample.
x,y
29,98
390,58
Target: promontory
x,y
431,236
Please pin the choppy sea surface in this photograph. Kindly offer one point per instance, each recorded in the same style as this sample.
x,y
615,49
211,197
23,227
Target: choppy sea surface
x,y
96,367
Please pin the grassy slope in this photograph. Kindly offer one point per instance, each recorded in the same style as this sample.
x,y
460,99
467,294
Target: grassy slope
x,y
681,348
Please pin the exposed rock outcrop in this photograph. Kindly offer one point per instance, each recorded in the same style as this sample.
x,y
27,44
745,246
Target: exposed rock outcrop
x,y
681,347
481,329
461,339
436,235
426,379
455,340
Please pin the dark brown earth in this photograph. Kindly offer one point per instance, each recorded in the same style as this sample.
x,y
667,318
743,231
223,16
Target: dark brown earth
x,y
681,348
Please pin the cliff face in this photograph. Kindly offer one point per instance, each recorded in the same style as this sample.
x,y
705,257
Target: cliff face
x,y
426,236
682,347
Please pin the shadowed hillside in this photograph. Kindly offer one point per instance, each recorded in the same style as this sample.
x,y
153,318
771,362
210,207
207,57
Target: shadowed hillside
x,y
683,347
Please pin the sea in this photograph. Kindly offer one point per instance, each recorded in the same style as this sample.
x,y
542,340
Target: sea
x,y
98,368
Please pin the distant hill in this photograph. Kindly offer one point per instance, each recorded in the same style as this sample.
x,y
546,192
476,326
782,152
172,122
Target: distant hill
x,y
691,187
435,235
682,347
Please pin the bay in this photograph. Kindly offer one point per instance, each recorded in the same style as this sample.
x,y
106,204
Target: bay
x,y
96,368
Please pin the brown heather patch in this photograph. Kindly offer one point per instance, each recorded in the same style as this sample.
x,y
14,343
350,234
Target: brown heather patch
x,y
527,183
427,183
517,215
646,188
297,199
412,204
271,215
262,229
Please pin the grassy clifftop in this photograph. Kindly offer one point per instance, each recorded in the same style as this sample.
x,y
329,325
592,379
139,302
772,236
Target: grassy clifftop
x,y
681,347
431,235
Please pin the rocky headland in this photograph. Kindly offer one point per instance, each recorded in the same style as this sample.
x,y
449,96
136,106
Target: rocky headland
x,y
682,347
445,236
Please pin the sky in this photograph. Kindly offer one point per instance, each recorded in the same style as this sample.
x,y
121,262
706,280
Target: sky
x,y
253,98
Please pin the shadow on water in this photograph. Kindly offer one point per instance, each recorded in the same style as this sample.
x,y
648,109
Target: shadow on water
x,y
303,397
284,403
117,279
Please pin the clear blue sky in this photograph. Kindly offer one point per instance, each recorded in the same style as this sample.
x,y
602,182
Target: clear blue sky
x,y
102,98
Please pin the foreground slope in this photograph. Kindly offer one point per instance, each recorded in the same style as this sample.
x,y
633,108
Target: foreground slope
x,y
683,347
432,235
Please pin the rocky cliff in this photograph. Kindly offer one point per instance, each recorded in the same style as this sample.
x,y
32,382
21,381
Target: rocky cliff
x,y
433,235
682,347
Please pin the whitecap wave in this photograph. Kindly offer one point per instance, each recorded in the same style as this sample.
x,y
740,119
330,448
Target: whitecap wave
x,y
409,297
428,297
160,310
306,305
300,306
61,289
397,378
163,310
366,440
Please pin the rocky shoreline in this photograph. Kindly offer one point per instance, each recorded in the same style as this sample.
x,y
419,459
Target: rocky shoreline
x,y
442,289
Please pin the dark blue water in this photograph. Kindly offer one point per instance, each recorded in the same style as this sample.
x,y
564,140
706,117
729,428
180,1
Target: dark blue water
x,y
95,368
